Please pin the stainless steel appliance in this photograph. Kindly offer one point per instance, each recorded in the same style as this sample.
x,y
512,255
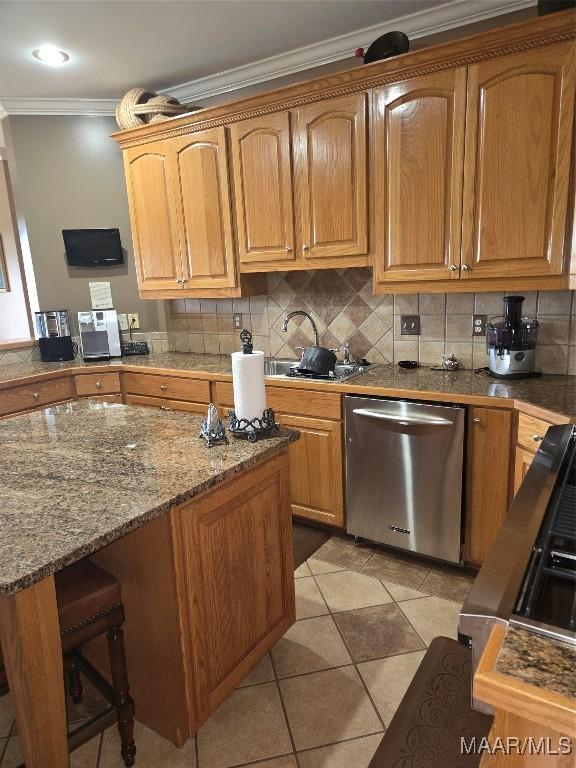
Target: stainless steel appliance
x,y
54,337
511,342
528,578
99,334
404,464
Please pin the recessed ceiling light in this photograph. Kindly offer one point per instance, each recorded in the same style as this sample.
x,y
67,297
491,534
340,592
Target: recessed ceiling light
x,y
49,54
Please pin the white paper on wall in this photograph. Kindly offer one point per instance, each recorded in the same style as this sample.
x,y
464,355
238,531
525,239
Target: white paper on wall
x,y
101,295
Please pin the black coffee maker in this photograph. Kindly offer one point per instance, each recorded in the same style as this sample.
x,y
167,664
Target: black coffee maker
x,y
54,339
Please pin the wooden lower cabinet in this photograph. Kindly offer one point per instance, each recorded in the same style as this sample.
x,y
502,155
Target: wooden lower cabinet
x,y
316,462
172,387
488,478
165,404
91,384
522,461
28,396
208,589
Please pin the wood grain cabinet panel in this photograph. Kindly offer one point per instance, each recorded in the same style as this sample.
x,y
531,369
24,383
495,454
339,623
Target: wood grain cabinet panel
x,y
520,118
260,150
488,477
202,202
165,404
155,237
90,384
316,461
331,177
174,387
418,152
28,396
522,461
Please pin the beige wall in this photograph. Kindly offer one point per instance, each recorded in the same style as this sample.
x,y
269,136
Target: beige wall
x,y
13,308
68,173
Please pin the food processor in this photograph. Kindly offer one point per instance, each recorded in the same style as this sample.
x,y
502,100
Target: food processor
x,y
511,342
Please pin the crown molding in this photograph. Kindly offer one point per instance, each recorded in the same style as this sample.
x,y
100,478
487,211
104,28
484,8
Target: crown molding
x,y
32,106
450,15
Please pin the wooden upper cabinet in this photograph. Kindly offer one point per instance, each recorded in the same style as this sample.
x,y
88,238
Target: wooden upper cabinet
x,y
202,202
418,155
331,178
263,188
520,118
154,233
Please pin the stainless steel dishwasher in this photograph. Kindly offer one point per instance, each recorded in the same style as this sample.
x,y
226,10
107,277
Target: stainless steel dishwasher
x,y
404,463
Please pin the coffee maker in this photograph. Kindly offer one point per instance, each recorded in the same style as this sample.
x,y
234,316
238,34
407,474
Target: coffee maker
x,y
511,342
99,334
54,339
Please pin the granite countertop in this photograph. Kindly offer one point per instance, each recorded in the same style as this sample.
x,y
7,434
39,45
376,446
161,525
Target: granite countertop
x,y
554,393
77,476
540,661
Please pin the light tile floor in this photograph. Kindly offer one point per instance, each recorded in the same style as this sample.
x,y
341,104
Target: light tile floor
x,y
324,695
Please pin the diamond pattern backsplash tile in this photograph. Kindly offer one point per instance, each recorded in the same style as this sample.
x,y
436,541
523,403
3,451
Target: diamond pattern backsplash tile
x,y
345,309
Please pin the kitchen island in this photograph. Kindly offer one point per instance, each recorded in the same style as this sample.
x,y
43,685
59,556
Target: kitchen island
x,y
199,538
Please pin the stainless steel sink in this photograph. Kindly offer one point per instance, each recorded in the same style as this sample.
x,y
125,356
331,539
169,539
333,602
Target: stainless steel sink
x,y
278,369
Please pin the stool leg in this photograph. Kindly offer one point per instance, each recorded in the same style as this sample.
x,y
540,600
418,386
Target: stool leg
x,y
122,699
74,681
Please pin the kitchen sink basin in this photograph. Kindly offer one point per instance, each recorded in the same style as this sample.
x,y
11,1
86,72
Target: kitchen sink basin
x,y
278,369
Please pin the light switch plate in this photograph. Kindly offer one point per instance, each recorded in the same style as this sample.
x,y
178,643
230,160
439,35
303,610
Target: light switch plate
x,y
410,325
237,318
123,321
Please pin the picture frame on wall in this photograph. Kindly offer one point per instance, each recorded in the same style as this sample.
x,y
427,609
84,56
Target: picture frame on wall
x,y
4,285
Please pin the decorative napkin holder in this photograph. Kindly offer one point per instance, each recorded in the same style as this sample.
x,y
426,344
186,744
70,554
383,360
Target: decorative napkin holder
x,y
251,419
212,428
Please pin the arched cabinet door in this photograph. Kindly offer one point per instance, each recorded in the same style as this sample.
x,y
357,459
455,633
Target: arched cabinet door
x,y
202,205
520,118
260,149
331,178
418,156
154,231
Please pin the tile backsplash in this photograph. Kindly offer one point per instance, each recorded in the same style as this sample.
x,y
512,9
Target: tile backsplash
x,y
344,308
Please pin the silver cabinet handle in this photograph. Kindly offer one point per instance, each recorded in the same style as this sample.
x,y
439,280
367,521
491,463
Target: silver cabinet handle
x,y
165,408
464,267
305,247
402,420
537,438
162,387
35,395
288,249
476,420
181,281
452,267
98,384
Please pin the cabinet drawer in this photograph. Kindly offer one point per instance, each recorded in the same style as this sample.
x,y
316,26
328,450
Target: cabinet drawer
x,y
171,387
97,384
531,431
33,395
167,405
282,400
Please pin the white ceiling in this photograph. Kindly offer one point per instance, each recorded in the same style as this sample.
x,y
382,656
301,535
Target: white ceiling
x,y
195,48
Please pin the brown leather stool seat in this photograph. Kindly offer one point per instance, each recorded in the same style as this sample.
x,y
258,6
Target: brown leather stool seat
x,y
434,714
85,593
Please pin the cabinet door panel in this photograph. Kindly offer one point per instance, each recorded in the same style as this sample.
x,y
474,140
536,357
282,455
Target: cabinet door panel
x,y
418,135
156,247
522,461
518,136
263,188
203,209
316,484
331,177
489,448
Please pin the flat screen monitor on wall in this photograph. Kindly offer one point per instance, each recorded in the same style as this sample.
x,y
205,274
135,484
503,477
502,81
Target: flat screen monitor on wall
x,y
92,247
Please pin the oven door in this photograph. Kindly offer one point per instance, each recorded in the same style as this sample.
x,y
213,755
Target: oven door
x,y
497,586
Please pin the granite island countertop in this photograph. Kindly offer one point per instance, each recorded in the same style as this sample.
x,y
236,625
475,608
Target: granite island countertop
x,y
540,661
550,392
77,476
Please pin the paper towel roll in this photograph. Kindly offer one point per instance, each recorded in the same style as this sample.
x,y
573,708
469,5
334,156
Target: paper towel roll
x,y
248,384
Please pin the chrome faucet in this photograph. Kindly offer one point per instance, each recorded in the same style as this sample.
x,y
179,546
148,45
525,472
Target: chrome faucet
x,y
290,315
346,353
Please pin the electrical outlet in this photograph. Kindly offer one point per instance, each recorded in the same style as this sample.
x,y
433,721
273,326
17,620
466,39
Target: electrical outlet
x,y
133,320
479,325
123,321
410,325
237,318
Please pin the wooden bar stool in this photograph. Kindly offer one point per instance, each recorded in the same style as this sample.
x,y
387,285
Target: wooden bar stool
x,y
89,605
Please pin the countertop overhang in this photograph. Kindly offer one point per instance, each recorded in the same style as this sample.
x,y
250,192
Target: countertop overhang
x,y
80,475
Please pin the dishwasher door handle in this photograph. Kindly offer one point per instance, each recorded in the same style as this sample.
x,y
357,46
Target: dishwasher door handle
x,y
404,421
